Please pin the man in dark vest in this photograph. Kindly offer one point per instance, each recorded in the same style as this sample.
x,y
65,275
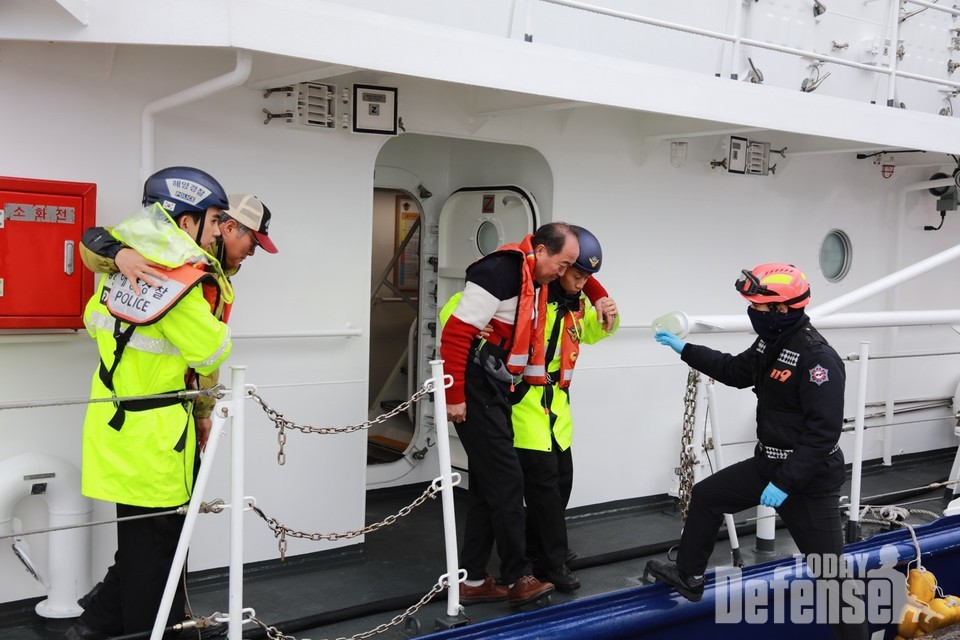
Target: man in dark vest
x,y
504,289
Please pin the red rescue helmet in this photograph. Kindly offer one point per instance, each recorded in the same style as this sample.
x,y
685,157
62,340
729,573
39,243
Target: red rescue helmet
x,y
774,283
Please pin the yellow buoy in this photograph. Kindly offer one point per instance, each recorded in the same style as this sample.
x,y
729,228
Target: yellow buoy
x,y
909,621
922,585
939,613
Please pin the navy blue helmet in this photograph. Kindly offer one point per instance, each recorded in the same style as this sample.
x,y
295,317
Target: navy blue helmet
x,y
182,190
591,256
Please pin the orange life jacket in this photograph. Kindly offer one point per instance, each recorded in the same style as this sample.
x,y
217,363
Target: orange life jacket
x,y
569,346
220,309
153,302
527,348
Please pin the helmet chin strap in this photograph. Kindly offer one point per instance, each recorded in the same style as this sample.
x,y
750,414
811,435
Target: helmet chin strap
x,y
203,219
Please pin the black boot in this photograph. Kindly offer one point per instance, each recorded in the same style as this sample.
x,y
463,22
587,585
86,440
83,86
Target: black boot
x,y
86,599
668,573
561,577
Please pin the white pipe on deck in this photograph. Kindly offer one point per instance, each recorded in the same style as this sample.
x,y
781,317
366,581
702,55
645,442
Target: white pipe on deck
x,y
682,324
766,529
885,283
69,550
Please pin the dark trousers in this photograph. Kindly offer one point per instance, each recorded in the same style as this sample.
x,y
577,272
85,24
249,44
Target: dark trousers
x,y
495,498
813,521
547,482
129,596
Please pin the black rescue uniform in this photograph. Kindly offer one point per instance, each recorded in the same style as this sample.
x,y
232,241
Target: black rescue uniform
x,y
799,381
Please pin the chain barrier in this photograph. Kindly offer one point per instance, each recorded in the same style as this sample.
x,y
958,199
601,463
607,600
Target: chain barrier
x,y
281,531
275,634
687,458
283,424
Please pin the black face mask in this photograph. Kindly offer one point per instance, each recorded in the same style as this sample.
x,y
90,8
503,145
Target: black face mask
x,y
769,325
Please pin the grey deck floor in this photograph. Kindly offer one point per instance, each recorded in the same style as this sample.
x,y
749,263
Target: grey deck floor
x,y
337,597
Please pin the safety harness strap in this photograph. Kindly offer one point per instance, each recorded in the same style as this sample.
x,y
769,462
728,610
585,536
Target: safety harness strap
x,y
122,337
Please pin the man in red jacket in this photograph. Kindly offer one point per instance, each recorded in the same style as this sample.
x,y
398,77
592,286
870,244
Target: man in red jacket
x,y
503,289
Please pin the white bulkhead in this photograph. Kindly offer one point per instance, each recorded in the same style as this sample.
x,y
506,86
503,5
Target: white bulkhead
x,y
583,118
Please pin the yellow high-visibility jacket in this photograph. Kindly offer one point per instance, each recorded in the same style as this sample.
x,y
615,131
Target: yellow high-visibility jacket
x,y
531,422
149,460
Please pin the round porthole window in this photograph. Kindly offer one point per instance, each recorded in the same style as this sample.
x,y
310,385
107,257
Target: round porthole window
x,y
835,255
488,240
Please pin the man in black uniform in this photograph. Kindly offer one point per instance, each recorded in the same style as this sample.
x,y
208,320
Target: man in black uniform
x,y
797,467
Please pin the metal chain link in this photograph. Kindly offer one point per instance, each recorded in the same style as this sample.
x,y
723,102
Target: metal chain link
x,y
283,424
687,458
281,531
275,634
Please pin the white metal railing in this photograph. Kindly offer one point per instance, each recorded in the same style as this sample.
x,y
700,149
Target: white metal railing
x,y
853,519
348,332
714,418
234,410
736,40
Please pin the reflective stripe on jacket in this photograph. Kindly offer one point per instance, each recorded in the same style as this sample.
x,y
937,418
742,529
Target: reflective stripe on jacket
x,y
526,353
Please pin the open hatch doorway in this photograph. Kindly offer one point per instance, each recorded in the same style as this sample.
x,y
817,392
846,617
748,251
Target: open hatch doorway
x,y
461,219
394,298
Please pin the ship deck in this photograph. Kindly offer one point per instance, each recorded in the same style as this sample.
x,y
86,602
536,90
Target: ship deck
x,y
337,594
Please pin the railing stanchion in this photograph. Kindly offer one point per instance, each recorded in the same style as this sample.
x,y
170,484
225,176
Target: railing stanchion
x,y
446,489
718,456
853,522
237,434
220,413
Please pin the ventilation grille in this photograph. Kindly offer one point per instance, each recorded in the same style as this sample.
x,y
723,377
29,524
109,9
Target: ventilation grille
x,y
316,105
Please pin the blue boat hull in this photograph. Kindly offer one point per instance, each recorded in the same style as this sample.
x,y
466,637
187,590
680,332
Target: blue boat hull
x,y
655,611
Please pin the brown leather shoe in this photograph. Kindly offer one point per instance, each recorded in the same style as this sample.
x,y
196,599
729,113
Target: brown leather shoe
x,y
527,589
489,591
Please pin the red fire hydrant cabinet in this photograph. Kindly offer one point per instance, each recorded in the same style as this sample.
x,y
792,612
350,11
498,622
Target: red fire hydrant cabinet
x,y
43,283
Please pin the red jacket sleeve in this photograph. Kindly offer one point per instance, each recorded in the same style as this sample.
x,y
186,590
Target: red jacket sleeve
x,y
455,349
594,290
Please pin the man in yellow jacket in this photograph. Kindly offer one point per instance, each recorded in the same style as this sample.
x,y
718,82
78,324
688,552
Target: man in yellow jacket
x,y
140,453
244,228
542,423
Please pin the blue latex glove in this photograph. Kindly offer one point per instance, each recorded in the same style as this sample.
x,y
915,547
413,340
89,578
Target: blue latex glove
x,y
772,496
672,341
